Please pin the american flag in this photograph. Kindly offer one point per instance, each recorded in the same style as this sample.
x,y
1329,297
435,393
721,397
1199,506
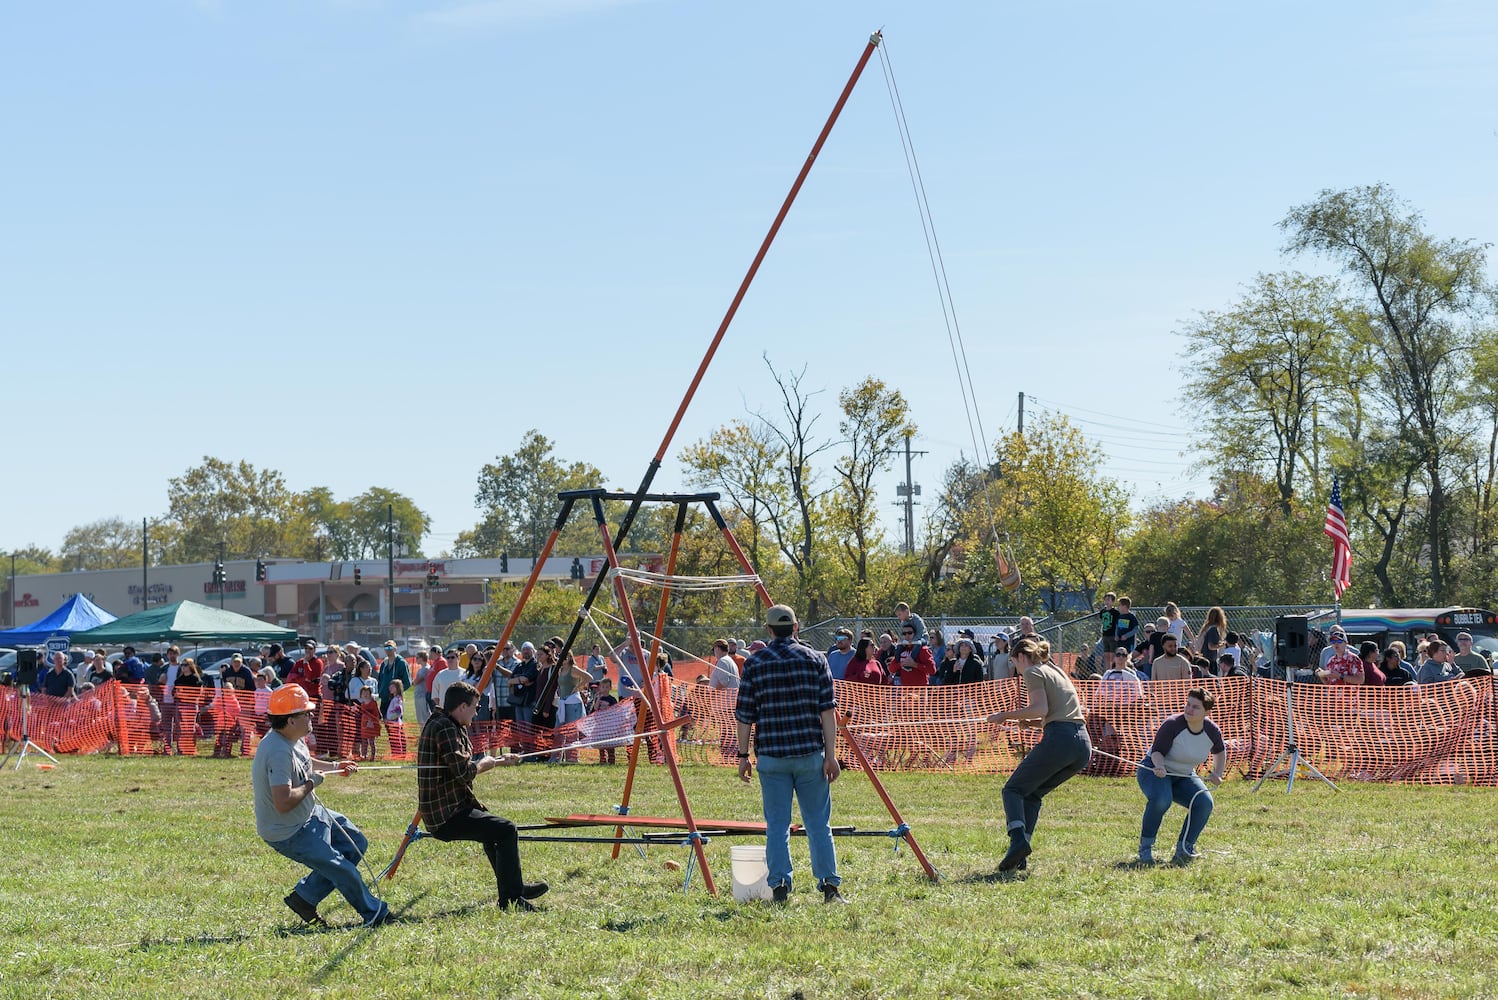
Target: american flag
x,y
1336,530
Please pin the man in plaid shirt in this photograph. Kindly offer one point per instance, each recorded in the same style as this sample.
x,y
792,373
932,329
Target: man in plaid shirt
x,y
446,767
785,693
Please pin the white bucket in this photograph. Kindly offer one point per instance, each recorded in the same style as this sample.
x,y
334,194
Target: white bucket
x,y
750,873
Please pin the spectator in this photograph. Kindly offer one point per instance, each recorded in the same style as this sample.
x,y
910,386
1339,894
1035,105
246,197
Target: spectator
x,y
226,723
1120,683
786,695
1025,629
908,617
522,683
1128,623
1170,665
938,646
725,672
1343,666
499,683
395,718
1176,625
276,657
289,818
912,662
134,669
865,668
98,669
841,652
999,666
236,675
1368,653
156,671
1471,662
598,666
1331,649
59,682
966,667
1107,624
393,667
369,723
445,679
1396,673
424,673
884,650
361,680
1438,665
1214,634
1063,750
1182,743
1227,666
308,670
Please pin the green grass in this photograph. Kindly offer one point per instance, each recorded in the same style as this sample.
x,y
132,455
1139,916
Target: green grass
x,y
144,878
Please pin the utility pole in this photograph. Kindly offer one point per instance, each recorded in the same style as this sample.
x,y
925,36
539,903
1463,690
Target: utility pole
x,y
10,595
223,575
390,567
1021,414
909,490
145,563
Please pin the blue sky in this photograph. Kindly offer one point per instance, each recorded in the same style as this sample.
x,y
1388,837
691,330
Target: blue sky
x,y
373,243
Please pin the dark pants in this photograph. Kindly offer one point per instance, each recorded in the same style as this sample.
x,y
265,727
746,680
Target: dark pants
x,y
1063,751
501,846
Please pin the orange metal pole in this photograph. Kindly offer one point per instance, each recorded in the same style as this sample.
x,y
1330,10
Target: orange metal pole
x,y
863,762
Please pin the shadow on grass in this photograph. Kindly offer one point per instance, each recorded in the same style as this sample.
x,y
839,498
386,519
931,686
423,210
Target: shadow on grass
x,y
990,878
360,940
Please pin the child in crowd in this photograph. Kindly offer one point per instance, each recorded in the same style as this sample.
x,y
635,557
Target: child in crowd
x,y
226,723
395,718
606,700
369,724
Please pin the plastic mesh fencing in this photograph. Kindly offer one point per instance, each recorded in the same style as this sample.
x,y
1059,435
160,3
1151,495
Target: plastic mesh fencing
x,y
1443,733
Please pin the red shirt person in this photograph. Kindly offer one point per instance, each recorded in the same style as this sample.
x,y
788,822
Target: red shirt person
x,y
307,672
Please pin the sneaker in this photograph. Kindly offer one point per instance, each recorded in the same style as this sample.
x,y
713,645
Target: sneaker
x,y
1019,850
830,894
381,916
521,905
533,890
304,909
780,894
1186,855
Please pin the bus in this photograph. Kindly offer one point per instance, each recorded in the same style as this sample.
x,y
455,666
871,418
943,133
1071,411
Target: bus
x,y
1413,625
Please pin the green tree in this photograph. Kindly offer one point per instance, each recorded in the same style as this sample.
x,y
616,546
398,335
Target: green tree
x,y
109,543
250,510
31,560
876,419
1259,369
1419,297
518,496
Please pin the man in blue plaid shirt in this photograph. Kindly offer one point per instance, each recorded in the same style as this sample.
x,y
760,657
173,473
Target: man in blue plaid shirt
x,y
785,693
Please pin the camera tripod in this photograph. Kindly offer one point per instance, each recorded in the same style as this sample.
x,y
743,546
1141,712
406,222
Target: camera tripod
x,y
25,746
1291,752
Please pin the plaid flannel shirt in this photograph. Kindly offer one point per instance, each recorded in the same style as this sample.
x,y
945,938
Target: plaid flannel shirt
x,y
444,778
783,691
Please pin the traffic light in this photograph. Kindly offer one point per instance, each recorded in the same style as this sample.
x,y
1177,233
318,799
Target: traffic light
x,y
504,562
218,573
358,577
432,579
576,571
259,570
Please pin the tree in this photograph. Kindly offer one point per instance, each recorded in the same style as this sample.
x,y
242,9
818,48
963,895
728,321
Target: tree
x,y
109,543
743,462
875,421
251,511
31,560
1419,297
1260,368
518,496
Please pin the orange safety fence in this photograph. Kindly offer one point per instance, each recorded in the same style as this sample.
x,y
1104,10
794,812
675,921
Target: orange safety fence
x,y
1443,733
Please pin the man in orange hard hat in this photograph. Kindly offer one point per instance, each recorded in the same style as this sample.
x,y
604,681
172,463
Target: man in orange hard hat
x,y
289,818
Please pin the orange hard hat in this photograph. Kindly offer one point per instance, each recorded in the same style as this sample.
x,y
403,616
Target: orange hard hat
x,y
289,699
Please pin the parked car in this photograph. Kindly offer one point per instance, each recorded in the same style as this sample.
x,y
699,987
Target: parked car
x,y
458,645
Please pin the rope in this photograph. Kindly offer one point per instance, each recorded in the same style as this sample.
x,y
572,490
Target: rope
x,y
686,653
619,740
690,583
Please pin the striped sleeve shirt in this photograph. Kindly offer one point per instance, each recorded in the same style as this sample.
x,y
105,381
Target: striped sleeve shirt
x,y
783,691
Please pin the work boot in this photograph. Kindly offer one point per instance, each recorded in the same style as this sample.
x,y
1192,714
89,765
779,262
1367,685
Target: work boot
x,y
1185,854
1146,853
830,894
533,890
519,905
304,909
781,893
1019,850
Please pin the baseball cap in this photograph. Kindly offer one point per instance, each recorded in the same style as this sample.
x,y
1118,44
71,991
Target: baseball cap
x,y
966,633
780,614
757,645
528,645
1464,635
310,644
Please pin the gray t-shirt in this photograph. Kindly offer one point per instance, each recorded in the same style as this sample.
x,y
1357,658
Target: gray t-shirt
x,y
279,761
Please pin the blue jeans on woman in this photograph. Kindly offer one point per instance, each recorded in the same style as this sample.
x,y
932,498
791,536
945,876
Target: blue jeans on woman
x,y
1189,791
779,778
332,847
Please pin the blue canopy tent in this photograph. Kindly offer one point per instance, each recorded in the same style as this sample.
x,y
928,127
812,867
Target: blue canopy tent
x,y
76,614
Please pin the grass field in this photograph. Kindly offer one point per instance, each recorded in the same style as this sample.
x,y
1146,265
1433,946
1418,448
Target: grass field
x,y
144,878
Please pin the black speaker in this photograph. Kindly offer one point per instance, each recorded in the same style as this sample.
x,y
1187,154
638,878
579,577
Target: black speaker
x,y
1292,641
27,661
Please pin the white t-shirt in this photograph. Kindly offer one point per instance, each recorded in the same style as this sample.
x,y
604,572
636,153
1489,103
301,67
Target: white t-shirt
x,y
725,674
444,680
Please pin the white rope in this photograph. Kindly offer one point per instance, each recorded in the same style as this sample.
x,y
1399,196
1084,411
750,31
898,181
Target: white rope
x,y
646,638
691,583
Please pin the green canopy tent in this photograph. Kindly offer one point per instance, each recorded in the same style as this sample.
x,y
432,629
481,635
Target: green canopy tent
x,y
183,621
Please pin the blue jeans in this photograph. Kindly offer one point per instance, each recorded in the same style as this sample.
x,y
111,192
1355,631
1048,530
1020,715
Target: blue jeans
x,y
568,712
779,778
332,847
1159,793
1063,750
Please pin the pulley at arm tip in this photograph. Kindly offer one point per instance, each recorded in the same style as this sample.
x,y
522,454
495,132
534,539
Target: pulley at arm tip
x,y
877,36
